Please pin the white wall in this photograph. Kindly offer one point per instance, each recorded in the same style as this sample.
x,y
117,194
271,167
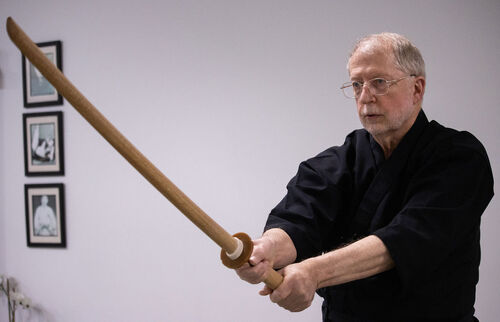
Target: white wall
x,y
226,98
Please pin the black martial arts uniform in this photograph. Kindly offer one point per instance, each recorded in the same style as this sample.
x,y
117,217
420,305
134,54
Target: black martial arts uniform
x,y
424,202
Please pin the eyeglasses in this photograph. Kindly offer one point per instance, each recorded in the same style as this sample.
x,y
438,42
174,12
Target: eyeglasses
x,y
377,86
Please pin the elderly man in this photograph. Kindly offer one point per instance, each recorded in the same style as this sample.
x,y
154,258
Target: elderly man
x,y
386,226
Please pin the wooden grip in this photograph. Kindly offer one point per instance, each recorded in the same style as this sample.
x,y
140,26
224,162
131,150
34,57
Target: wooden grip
x,y
273,279
206,224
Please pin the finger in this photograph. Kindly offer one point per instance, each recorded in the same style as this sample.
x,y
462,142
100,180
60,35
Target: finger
x,y
289,303
254,260
260,268
278,295
244,266
258,253
252,274
265,291
297,306
295,303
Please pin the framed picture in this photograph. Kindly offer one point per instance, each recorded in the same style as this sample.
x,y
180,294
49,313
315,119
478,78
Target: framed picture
x,y
43,144
37,90
45,225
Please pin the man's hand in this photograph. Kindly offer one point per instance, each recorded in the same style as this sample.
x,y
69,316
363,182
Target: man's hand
x,y
276,249
260,262
296,292
273,249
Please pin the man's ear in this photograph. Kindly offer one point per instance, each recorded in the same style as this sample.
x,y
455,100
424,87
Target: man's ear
x,y
418,89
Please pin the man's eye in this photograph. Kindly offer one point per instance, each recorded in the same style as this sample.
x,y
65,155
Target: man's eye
x,y
357,85
378,82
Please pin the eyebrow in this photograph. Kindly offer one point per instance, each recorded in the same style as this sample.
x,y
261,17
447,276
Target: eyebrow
x,y
375,75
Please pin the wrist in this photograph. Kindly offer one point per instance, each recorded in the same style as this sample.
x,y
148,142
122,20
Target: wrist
x,y
280,247
312,268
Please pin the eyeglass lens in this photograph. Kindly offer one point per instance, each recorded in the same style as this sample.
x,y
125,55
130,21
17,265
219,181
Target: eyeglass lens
x,y
377,86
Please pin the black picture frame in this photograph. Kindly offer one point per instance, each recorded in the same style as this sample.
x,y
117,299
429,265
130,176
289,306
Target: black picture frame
x,y
43,144
45,215
37,91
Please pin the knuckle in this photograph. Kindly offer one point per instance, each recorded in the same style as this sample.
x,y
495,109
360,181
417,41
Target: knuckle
x,y
275,298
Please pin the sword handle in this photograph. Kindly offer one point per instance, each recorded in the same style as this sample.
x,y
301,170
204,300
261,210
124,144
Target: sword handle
x,y
273,279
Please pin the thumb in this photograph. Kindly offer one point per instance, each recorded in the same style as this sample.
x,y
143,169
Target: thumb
x,y
255,259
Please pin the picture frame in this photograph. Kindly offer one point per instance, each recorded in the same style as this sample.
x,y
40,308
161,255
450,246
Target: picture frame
x,y
37,90
45,215
43,144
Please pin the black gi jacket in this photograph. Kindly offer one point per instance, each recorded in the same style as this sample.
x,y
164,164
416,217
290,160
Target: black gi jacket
x,y
424,203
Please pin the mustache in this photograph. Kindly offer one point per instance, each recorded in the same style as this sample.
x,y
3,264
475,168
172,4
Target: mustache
x,y
366,111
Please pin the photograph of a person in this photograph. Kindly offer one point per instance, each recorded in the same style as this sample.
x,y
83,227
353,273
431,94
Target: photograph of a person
x,y
45,215
37,90
43,144
44,219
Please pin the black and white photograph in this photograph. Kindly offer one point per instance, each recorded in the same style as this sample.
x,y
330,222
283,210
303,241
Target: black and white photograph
x,y
43,144
37,90
44,205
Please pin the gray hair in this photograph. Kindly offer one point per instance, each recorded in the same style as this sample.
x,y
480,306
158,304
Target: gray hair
x,y
407,57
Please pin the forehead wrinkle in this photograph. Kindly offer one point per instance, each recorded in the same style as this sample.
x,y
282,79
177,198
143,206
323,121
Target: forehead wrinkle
x,y
370,69
372,60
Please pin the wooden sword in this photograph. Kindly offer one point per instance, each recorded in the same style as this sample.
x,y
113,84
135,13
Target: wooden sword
x,y
236,250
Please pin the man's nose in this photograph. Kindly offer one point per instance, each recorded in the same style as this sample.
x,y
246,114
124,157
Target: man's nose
x,y
366,95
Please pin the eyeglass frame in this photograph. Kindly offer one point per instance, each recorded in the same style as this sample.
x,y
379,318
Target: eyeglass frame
x,y
389,83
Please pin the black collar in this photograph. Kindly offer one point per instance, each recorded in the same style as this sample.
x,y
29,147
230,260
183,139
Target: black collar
x,y
406,144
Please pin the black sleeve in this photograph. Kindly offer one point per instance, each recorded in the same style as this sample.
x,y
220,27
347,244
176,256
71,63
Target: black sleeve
x,y
315,198
445,201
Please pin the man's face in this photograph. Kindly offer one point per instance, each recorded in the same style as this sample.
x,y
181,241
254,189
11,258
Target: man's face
x,y
386,115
